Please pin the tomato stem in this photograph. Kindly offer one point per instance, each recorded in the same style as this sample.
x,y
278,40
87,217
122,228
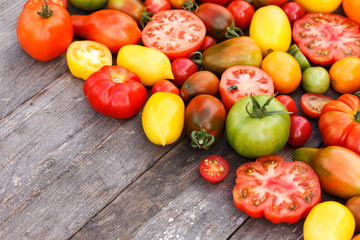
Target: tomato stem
x,y
232,31
201,139
261,111
232,88
197,57
357,116
190,6
357,94
46,12
145,17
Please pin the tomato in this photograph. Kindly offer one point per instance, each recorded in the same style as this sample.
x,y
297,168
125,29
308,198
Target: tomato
x,y
312,103
281,191
62,3
345,75
134,8
220,2
110,27
204,120
357,237
257,126
155,6
323,6
326,38
150,64
165,86
235,51
208,42
271,29
329,220
243,13
178,3
284,70
338,169
315,80
89,5
300,131
201,82
182,68
39,27
339,123
351,9
240,81
293,11
214,168
163,118
115,91
262,3
216,19
353,204
289,103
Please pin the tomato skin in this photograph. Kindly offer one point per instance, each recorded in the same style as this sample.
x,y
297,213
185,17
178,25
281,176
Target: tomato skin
x,y
165,86
243,13
262,3
353,204
178,3
312,103
89,5
345,75
315,80
300,131
339,122
351,9
182,68
134,8
220,2
62,3
338,169
293,11
208,42
204,113
289,103
39,37
235,51
110,27
115,91
259,183
323,6
155,6
215,165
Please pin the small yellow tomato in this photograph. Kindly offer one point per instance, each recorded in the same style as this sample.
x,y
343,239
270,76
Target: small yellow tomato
x,y
324,6
329,220
163,118
345,75
284,70
149,64
86,57
270,28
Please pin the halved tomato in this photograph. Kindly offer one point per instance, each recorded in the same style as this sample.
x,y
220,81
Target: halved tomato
x,y
281,191
177,33
325,38
241,80
311,104
214,168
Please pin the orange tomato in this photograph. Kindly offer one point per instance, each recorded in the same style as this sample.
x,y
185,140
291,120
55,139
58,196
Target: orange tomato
x,y
178,3
345,75
357,237
352,9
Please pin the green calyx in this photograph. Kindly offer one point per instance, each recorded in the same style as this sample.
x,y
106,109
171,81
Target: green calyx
x,y
145,17
46,12
232,31
190,6
201,139
197,58
261,111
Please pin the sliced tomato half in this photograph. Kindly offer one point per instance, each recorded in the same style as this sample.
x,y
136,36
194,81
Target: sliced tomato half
x,y
241,80
176,33
311,104
325,38
214,168
281,191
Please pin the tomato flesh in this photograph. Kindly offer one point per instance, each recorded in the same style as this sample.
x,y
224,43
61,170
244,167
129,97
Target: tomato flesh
x,y
311,104
214,168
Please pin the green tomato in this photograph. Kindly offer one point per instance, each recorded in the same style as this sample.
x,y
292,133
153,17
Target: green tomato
x,y
252,136
315,80
89,5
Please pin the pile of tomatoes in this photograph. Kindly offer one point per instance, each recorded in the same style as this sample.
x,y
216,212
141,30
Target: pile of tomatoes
x,y
209,78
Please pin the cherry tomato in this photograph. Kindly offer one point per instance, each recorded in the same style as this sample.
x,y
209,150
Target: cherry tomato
x,y
324,38
281,191
155,6
62,3
315,80
243,13
208,42
300,131
289,103
164,86
214,168
345,75
182,68
241,80
311,104
293,11
351,9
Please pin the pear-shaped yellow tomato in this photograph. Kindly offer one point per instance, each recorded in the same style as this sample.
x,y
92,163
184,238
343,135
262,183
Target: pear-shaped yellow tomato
x,y
270,28
149,64
324,6
163,118
329,220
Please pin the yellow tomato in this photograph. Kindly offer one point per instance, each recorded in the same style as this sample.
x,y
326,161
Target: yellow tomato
x,y
86,57
329,220
345,75
324,6
270,28
163,118
284,70
149,64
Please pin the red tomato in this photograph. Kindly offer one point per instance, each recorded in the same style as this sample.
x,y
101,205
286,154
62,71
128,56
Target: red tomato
x,y
62,3
293,11
240,80
289,103
214,168
164,86
208,42
243,13
312,103
182,68
221,2
281,191
155,6
261,3
38,31
115,91
300,131
110,27
177,33
325,38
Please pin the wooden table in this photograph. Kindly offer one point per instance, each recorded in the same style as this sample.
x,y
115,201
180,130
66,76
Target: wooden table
x,y
69,172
